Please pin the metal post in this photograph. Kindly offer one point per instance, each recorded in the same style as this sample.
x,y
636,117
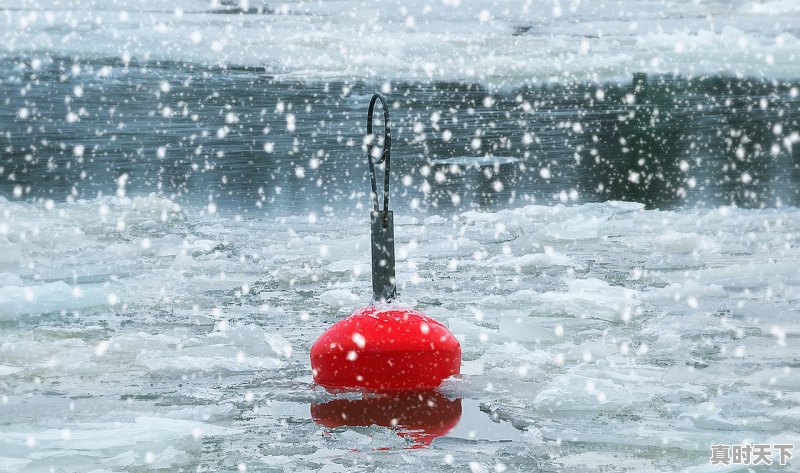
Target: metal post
x,y
381,221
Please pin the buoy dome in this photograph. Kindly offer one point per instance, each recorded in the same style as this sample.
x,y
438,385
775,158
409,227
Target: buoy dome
x,y
385,350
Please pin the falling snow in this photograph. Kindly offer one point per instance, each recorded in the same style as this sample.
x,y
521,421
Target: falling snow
x,y
599,200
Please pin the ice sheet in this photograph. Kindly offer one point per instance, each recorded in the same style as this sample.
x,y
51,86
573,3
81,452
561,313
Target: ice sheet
x,y
501,44
577,325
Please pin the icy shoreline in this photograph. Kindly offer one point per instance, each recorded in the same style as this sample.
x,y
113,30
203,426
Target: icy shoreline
x,y
520,43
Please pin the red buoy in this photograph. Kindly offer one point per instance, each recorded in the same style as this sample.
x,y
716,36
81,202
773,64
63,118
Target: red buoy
x,y
384,349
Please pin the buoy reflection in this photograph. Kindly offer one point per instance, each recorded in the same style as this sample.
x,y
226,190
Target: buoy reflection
x,y
419,416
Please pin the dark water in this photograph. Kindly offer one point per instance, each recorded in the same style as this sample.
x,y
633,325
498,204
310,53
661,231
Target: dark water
x,y
254,145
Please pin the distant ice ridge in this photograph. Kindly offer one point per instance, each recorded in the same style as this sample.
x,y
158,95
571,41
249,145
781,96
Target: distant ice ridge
x,y
498,43
477,161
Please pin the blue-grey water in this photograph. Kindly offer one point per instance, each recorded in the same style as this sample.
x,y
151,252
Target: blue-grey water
x,y
255,145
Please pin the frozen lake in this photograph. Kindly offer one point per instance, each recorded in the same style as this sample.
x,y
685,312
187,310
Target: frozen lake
x,y
601,203
137,335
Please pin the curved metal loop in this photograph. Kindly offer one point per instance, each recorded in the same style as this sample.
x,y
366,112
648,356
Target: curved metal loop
x,y
385,155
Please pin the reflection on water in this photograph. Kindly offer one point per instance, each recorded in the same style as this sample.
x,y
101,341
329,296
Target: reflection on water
x,y
418,416
253,145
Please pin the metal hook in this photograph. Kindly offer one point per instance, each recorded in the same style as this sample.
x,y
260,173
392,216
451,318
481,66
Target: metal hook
x,y
381,221
385,155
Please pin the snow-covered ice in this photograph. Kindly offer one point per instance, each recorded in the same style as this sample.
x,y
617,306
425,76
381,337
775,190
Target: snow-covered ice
x,y
499,43
642,336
